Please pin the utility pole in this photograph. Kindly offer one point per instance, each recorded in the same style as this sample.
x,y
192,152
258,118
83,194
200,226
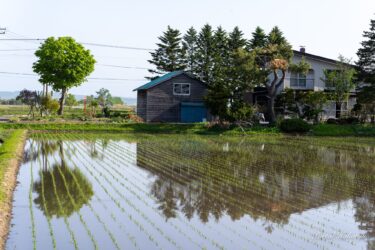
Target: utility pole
x,y
2,31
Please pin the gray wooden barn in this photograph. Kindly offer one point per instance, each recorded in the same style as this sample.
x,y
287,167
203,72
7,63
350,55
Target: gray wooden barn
x,y
174,97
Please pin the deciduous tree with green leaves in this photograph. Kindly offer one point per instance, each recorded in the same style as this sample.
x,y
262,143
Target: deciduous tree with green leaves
x,y
63,63
70,100
341,81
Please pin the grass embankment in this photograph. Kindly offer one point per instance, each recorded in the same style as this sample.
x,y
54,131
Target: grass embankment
x,y
199,128
11,152
163,128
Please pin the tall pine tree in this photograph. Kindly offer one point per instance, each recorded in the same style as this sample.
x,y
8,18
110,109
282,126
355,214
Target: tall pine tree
x,y
168,56
366,56
205,54
236,39
276,37
189,45
258,40
366,65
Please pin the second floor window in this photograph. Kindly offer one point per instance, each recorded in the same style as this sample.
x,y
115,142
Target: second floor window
x,y
181,88
301,80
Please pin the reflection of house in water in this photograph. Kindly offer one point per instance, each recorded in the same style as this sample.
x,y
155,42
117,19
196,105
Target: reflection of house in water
x,y
268,182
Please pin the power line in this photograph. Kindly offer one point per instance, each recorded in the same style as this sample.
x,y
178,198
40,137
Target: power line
x,y
17,49
119,66
90,78
89,44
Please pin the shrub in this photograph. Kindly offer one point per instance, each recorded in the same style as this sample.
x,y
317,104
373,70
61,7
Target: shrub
x,y
332,121
349,120
294,126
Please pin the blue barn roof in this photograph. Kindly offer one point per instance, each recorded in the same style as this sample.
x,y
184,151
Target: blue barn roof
x,y
159,80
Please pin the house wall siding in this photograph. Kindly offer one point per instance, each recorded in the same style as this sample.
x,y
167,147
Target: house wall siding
x,y
318,67
164,106
142,104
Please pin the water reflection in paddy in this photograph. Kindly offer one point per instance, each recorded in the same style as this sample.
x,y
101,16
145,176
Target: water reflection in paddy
x,y
168,192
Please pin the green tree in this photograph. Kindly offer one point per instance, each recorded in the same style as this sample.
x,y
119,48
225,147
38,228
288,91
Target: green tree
x,y
366,65
189,45
70,100
205,53
63,63
236,40
168,56
30,98
366,56
258,40
48,105
366,102
340,82
273,59
115,100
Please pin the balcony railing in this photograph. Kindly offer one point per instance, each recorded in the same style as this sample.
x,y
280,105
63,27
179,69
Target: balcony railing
x,y
301,83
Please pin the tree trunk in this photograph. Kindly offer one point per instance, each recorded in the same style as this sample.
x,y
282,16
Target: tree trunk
x,y
62,101
338,110
271,109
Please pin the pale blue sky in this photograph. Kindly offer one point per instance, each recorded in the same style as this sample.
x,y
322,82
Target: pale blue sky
x,y
326,27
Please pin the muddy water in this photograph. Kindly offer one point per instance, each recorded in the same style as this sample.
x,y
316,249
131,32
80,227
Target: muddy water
x,y
170,192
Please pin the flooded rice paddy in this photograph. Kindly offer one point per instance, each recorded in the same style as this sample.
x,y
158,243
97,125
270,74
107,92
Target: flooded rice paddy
x,y
189,192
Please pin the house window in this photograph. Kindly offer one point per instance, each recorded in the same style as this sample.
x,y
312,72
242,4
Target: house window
x,y
302,80
181,88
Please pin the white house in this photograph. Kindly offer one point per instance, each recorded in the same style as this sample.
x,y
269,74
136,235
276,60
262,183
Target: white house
x,y
314,80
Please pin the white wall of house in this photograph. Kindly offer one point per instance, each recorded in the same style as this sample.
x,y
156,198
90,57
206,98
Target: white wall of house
x,y
314,81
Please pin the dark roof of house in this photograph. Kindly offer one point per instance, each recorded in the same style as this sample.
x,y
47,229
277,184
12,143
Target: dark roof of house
x,y
320,58
162,79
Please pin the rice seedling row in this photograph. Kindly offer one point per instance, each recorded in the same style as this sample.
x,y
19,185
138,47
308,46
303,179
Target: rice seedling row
x,y
136,177
117,203
151,156
232,230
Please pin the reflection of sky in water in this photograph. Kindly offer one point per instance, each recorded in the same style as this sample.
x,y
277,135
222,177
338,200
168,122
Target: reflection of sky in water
x,y
172,192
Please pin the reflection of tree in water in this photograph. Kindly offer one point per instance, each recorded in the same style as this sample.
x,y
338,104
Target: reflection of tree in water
x,y
93,148
364,205
266,182
78,187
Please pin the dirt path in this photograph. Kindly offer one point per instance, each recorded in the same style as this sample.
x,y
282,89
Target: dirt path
x,y
8,185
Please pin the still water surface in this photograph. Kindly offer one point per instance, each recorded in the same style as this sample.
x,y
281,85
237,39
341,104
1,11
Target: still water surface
x,y
179,192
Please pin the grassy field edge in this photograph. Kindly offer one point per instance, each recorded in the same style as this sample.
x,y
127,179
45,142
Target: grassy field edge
x,y
11,153
332,130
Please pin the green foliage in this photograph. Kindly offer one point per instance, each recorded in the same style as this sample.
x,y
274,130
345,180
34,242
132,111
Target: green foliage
x,y
30,98
63,63
70,100
246,113
205,54
169,55
9,150
302,67
294,126
115,100
366,56
52,177
104,98
189,45
259,39
340,81
48,105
